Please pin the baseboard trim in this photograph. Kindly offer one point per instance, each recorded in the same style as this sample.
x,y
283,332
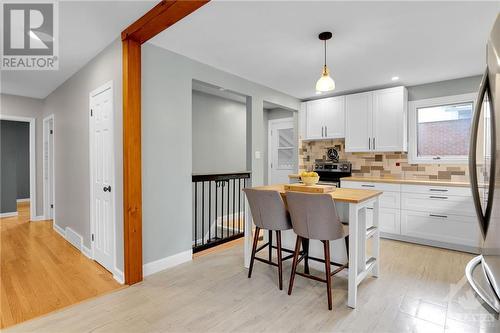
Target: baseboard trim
x,y
38,218
167,262
59,230
9,214
118,276
23,200
86,251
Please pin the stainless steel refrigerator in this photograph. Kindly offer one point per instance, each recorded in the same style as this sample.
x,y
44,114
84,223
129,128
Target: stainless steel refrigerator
x,y
483,272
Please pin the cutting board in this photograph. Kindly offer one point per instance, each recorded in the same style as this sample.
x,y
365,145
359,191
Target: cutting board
x,y
310,189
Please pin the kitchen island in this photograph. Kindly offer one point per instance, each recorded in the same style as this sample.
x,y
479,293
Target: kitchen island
x,y
358,201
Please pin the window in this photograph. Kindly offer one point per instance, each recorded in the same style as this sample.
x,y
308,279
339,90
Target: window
x,y
440,129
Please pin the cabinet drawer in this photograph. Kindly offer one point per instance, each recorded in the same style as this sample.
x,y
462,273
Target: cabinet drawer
x,y
462,230
438,190
438,203
372,186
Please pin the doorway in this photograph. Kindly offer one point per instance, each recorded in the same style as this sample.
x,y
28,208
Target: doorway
x,y
281,151
48,168
10,208
102,178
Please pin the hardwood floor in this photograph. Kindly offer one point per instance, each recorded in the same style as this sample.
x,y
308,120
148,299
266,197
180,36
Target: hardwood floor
x,y
41,272
420,289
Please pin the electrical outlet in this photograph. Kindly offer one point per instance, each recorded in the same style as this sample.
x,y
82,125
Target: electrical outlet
x,y
257,155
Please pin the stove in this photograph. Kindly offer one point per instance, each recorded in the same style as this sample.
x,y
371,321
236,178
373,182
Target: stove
x,y
330,172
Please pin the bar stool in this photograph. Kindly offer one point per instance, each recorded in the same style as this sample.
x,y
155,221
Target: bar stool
x,y
269,213
314,216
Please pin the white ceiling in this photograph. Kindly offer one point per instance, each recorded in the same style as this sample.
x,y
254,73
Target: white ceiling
x,y
275,43
85,29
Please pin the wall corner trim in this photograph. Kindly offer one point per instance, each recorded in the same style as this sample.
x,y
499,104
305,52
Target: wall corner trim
x,y
38,218
167,262
118,276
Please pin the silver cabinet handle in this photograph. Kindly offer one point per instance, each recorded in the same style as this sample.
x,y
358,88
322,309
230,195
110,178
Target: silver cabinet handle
x,y
369,144
437,197
373,143
322,131
326,131
437,190
366,185
440,216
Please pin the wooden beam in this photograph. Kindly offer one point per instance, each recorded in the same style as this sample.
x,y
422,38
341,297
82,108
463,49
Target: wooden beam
x,y
162,16
132,185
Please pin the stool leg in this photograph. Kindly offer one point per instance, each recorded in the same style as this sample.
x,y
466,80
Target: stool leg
x,y
280,263
270,245
326,245
294,264
254,248
305,248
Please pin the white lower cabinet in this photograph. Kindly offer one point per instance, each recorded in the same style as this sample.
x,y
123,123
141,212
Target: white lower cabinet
x,y
390,220
447,228
434,215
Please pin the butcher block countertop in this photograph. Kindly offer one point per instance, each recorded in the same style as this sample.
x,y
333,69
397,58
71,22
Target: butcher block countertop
x,y
408,181
340,194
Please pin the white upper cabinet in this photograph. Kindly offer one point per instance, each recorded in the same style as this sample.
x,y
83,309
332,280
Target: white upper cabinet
x,y
314,119
376,121
334,117
389,119
325,118
358,109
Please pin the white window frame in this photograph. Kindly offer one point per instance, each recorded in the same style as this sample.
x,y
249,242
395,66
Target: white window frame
x,y
431,102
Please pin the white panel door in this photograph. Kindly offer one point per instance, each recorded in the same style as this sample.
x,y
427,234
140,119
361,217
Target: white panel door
x,y
389,120
358,114
315,119
334,117
101,105
282,150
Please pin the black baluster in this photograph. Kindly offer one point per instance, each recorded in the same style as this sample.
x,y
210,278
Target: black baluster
x,y
203,213
195,213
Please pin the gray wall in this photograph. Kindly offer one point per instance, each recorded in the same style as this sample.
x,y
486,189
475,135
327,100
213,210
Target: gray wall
x,y
270,114
444,88
31,108
8,185
167,143
15,164
70,105
219,134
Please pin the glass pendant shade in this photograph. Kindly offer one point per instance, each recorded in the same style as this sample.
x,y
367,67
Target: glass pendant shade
x,y
325,82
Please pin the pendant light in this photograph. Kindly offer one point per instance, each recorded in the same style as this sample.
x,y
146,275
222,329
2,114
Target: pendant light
x,y
325,82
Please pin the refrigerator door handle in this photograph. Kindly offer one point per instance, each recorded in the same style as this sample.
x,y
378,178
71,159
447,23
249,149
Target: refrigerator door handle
x,y
483,218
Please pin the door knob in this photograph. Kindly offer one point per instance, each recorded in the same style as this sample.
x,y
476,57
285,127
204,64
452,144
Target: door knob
x,y
107,188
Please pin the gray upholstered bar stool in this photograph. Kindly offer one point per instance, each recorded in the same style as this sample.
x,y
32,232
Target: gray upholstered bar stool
x,y
314,216
269,213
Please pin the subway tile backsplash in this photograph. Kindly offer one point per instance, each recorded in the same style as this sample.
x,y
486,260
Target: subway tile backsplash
x,y
391,164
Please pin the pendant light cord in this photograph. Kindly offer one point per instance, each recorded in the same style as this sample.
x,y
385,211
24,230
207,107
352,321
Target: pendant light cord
x,y
325,53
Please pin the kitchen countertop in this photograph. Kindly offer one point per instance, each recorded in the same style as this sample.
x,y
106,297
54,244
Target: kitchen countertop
x,y
409,181
340,194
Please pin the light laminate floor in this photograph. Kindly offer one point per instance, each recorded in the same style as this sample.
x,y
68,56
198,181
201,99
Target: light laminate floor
x,y
421,289
41,272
